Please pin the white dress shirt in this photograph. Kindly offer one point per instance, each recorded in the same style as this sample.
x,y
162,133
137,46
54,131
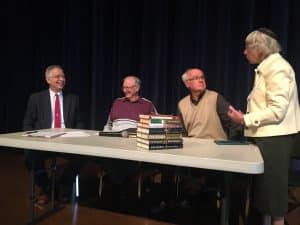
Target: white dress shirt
x,y
52,99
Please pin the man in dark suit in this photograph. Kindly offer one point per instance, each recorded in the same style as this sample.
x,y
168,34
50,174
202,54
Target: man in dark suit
x,y
42,113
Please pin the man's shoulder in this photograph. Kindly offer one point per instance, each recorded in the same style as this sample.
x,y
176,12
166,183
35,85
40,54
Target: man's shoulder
x,y
118,102
46,93
211,92
217,95
184,99
213,96
70,95
39,94
145,100
141,100
121,99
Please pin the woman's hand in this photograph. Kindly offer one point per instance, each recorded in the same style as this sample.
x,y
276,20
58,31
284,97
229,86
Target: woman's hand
x,y
236,115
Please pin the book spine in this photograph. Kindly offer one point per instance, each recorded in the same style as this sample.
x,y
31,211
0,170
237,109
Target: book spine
x,y
160,141
158,116
158,130
159,125
158,136
159,121
159,146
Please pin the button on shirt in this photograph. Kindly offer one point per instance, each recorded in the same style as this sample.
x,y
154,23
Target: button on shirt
x,y
52,99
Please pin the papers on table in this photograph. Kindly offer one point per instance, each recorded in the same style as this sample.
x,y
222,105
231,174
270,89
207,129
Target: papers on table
x,y
44,134
75,134
53,134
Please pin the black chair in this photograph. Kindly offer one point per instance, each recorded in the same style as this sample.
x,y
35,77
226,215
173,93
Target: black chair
x,y
294,181
294,185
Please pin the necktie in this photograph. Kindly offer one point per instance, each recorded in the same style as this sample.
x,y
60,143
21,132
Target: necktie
x,y
57,115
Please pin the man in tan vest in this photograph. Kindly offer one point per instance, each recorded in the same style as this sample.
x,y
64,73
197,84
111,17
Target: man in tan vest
x,y
204,115
204,112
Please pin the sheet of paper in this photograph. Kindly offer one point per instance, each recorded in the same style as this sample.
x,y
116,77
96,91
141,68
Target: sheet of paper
x,y
75,134
44,134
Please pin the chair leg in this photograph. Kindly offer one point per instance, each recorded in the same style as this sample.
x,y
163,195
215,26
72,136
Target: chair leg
x,y
140,180
139,191
219,197
177,182
100,175
75,189
32,195
53,183
77,186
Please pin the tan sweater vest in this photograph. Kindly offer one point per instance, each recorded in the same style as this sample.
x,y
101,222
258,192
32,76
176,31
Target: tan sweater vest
x,y
202,120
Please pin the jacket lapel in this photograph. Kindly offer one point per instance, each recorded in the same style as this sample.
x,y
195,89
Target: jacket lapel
x,y
47,106
66,107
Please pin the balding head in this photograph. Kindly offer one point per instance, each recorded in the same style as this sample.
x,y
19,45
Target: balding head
x,y
131,87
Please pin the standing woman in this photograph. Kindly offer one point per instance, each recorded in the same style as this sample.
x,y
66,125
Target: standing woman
x,y
271,120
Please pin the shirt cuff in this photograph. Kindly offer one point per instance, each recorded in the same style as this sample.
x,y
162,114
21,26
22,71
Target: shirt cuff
x,y
249,122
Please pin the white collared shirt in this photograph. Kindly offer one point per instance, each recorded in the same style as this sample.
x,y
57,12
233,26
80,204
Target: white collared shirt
x,y
52,99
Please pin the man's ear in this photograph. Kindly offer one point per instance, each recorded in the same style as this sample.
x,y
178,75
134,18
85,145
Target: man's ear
x,y
138,89
47,80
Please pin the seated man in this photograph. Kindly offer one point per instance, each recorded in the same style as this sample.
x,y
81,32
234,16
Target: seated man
x,y
204,115
124,114
52,108
204,112
125,111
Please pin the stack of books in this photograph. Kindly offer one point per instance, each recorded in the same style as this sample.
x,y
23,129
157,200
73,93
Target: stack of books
x,y
159,132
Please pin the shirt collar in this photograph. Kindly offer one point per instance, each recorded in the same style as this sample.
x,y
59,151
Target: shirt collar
x,y
264,65
127,100
195,102
52,93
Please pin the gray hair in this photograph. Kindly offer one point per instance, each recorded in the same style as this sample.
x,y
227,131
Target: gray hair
x,y
137,80
50,68
184,76
265,40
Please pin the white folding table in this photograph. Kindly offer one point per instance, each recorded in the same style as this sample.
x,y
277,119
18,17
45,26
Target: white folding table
x,y
196,153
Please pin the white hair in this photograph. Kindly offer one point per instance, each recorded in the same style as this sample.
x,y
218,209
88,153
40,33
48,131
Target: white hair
x,y
265,41
50,68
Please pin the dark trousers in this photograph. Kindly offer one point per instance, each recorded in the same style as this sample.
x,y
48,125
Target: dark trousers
x,y
36,160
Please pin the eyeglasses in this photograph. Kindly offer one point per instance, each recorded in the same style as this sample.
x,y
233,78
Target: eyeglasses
x,y
57,76
196,78
128,87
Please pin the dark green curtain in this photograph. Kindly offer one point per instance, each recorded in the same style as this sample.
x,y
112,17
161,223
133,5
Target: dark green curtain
x,y
99,42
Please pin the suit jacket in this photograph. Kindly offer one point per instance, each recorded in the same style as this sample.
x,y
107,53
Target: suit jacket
x,y
38,113
273,106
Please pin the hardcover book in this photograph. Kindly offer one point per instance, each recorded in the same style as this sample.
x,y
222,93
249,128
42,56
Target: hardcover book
x,y
151,130
158,146
160,121
157,116
159,136
159,141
